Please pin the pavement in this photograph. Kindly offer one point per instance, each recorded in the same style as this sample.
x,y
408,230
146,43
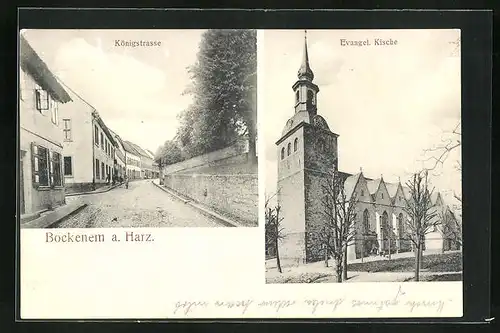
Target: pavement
x,y
51,218
205,210
99,190
141,205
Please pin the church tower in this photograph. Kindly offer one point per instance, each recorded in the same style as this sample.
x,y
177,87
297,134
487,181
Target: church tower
x,y
307,150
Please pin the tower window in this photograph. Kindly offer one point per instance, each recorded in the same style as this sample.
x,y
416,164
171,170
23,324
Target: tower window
x,y
283,153
295,144
310,97
288,149
297,96
362,192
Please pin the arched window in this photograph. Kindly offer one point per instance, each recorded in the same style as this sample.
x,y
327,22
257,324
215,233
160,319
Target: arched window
x,y
321,145
400,224
283,153
366,221
295,144
310,97
297,96
288,149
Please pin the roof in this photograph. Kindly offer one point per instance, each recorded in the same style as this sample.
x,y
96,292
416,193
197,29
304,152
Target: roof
x,y
140,150
406,192
128,146
373,185
104,127
32,64
434,197
392,189
350,185
150,153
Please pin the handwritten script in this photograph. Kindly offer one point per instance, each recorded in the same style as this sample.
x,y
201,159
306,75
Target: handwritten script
x,y
311,306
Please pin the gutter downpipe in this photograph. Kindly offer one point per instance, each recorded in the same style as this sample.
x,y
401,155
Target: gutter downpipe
x,y
93,151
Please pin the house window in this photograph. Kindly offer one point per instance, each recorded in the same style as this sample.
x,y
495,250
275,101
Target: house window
x,y
55,168
67,129
40,165
297,96
97,169
103,175
54,112
102,141
289,149
68,166
295,144
96,135
42,99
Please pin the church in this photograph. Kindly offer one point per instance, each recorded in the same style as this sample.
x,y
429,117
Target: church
x,y
307,150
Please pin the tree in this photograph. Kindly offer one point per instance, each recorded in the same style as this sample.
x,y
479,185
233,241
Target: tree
x,y
421,212
223,86
338,232
452,227
439,153
274,230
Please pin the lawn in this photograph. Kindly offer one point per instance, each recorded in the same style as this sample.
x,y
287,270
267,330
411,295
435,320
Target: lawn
x,y
446,262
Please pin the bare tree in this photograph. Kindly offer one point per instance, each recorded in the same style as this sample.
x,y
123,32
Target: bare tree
x,y
451,227
422,214
274,230
439,153
338,232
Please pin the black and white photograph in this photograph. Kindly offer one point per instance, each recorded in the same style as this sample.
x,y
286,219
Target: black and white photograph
x,y
138,128
363,156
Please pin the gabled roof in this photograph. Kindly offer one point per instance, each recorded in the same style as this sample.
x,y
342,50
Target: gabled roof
x,y
104,127
350,185
140,150
32,64
406,192
392,189
373,185
434,197
150,153
128,146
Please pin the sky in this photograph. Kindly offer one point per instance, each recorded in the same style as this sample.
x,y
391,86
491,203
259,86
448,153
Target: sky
x,y
388,104
137,91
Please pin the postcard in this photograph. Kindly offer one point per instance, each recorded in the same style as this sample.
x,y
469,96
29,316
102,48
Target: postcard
x,y
210,174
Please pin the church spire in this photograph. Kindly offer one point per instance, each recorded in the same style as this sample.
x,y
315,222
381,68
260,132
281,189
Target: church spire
x,y
305,72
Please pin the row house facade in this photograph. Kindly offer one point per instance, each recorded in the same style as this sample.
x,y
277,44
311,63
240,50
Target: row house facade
x,y
89,146
146,162
120,162
133,161
41,138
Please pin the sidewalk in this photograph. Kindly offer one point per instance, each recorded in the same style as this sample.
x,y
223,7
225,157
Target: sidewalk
x,y
99,190
224,220
49,218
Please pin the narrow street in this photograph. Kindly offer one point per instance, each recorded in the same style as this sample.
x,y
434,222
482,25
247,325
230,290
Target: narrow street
x,y
141,205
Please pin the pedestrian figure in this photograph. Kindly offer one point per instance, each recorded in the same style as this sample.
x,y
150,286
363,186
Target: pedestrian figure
x,y
126,182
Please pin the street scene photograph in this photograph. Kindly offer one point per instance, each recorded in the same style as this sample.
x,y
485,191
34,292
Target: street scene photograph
x,y
362,163
138,128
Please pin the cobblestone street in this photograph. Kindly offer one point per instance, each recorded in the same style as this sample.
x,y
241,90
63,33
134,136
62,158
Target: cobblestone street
x,y
141,205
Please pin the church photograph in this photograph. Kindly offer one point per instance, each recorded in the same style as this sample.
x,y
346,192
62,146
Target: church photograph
x,y
362,155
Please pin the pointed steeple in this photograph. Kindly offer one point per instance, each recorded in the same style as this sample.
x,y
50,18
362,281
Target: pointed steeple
x,y
305,71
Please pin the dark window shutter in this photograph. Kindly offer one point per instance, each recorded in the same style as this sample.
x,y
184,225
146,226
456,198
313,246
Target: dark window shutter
x,y
34,165
51,168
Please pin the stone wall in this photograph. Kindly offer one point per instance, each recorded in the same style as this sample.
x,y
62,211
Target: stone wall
x,y
225,181
235,154
235,196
